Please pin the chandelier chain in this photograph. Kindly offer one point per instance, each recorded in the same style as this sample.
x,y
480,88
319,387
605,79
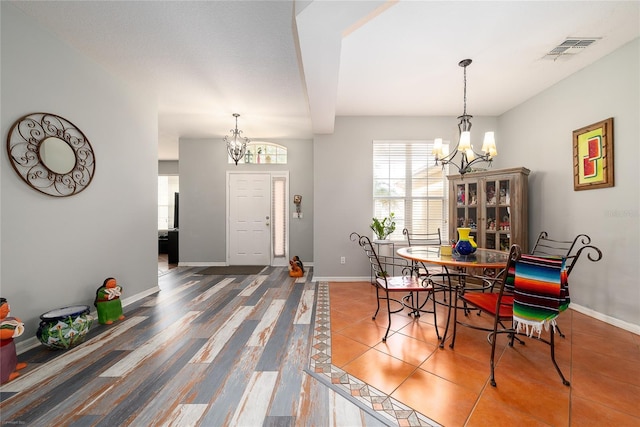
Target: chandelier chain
x,y
464,110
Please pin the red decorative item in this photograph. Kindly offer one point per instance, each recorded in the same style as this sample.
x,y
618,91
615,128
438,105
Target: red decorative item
x,y
10,328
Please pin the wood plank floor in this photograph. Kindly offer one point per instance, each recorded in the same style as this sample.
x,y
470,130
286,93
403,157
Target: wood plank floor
x,y
269,350
205,350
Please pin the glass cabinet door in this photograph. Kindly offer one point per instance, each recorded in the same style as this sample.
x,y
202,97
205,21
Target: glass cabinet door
x,y
504,215
467,207
498,214
490,214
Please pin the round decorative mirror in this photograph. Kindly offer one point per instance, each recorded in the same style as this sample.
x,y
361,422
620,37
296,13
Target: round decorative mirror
x,y
57,155
51,154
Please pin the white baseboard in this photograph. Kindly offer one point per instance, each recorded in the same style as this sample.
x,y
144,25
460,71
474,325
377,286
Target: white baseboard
x,y
33,342
607,319
130,300
224,264
341,279
202,264
27,344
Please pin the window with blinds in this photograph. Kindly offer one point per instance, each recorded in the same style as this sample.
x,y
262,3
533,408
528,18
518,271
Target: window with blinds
x,y
407,182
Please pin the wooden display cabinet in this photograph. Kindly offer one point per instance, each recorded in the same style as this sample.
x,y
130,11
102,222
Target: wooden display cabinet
x,y
494,204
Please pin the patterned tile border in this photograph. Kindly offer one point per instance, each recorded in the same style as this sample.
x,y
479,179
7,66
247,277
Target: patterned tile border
x,y
369,397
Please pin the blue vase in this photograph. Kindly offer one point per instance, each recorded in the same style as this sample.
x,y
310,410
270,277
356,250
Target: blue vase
x,y
464,246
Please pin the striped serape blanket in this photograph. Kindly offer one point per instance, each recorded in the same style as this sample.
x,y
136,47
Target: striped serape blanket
x,y
541,293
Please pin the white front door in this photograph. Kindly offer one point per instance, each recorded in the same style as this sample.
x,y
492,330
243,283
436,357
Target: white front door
x,y
249,216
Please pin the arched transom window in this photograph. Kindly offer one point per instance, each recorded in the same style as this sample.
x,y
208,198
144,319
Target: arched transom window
x,y
267,153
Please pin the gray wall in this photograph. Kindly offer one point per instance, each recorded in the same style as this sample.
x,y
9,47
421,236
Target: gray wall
x,y
56,251
168,167
343,182
609,87
540,131
203,168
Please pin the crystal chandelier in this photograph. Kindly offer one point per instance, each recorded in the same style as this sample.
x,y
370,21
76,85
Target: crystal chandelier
x,y
236,144
468,156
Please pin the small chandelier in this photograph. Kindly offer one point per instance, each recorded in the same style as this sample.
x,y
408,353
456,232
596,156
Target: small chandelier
x,y
236,144
469,156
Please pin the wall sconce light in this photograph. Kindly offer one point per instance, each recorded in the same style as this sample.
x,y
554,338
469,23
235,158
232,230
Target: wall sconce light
x,y
297,200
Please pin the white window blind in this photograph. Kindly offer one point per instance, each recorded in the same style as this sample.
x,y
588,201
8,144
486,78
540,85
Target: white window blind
x,y
407,182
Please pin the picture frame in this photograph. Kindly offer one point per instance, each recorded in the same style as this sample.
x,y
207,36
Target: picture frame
x,y
593,156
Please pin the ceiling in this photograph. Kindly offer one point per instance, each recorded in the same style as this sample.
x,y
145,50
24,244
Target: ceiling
x,y
289,68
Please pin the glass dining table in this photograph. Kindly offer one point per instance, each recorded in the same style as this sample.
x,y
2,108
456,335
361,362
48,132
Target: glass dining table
x,y
455,270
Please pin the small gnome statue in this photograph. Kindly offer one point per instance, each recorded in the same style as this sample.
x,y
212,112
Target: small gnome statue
x,y
108,302
10,328
296,269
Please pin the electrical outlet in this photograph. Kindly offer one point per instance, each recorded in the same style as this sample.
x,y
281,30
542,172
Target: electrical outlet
x,y
343,260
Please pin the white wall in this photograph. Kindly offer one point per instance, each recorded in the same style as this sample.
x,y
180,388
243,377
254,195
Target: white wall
x,y
56,251
203,168
538,133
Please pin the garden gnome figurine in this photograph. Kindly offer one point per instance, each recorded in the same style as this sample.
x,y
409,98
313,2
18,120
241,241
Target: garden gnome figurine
x,y
298,262
296,269
108,302
10,328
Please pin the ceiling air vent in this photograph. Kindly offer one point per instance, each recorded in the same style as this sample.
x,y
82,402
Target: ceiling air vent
x,y
571,46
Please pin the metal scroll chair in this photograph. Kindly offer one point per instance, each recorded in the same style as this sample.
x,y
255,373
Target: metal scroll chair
x,y
532,293
570,250
497,304
424,239
408,283
541,293
423,270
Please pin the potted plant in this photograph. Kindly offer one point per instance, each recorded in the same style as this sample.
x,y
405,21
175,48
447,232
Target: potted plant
x,y
384,228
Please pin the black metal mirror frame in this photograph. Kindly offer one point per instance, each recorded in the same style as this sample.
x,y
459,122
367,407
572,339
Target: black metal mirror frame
x,y
23,146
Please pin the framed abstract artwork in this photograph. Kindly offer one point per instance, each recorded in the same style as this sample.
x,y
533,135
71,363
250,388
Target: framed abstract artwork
x,y
593,156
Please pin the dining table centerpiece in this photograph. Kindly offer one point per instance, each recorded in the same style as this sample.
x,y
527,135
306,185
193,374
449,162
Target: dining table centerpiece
x,y
465,245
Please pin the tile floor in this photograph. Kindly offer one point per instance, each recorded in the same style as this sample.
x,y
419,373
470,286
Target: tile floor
x,y
451,386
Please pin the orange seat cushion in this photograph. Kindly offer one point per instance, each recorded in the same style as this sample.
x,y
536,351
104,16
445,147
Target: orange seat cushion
x,y
487,303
